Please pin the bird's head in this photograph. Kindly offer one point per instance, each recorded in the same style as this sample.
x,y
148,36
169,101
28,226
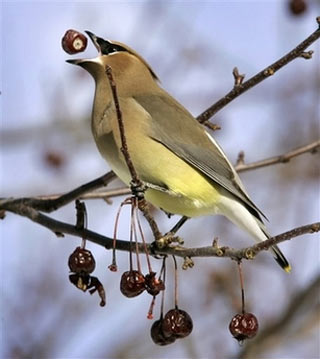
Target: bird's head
x,y
129,69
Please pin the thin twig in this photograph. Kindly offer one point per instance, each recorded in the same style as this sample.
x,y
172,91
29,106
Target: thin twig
x,y
238,78
240,159
93,194
265,245
311,147
307,54
52,204
107,194
212,126
124,145
144,208
262,75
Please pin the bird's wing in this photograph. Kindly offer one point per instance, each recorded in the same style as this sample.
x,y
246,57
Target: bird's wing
x,y
189,140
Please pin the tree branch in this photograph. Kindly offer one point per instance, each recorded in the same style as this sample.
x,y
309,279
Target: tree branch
x,y
52,204
241,87
284,158
61,228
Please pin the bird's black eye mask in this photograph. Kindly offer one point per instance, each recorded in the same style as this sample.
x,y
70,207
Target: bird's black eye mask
x,y
107,47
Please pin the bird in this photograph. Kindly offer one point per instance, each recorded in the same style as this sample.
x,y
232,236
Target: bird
x,y
184,169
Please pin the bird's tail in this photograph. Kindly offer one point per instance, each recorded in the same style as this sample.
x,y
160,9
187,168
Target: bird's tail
x,y
276,251
281,259
241,216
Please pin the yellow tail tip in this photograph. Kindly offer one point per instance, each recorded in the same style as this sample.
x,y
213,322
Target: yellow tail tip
x,y
287,268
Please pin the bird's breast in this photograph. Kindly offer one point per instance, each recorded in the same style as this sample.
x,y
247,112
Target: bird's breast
x,y
189,192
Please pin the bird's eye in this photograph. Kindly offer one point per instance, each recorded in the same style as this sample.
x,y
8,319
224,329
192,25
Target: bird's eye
x,y
116,48
113,49
107,47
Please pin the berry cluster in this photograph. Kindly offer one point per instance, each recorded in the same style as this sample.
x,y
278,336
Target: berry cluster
x,y
176,324
134,283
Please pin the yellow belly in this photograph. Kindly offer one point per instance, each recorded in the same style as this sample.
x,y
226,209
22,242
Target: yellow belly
x,y
189,192
182,204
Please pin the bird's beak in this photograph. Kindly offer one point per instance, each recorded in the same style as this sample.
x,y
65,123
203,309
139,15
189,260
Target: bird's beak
x,y
95,40
76,61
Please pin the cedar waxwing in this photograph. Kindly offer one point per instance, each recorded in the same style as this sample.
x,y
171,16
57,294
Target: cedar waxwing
x,y
185,170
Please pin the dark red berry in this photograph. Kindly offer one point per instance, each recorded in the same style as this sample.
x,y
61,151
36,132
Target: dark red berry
x,y
81,261
153,284
132,283
157,334
177,322
244,326
73,42
297,7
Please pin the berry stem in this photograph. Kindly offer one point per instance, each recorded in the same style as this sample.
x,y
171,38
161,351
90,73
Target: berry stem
x,y
82,219
113,266
175,282
133,233
242,287
115,230
143,239
163,272
134,208
83,243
